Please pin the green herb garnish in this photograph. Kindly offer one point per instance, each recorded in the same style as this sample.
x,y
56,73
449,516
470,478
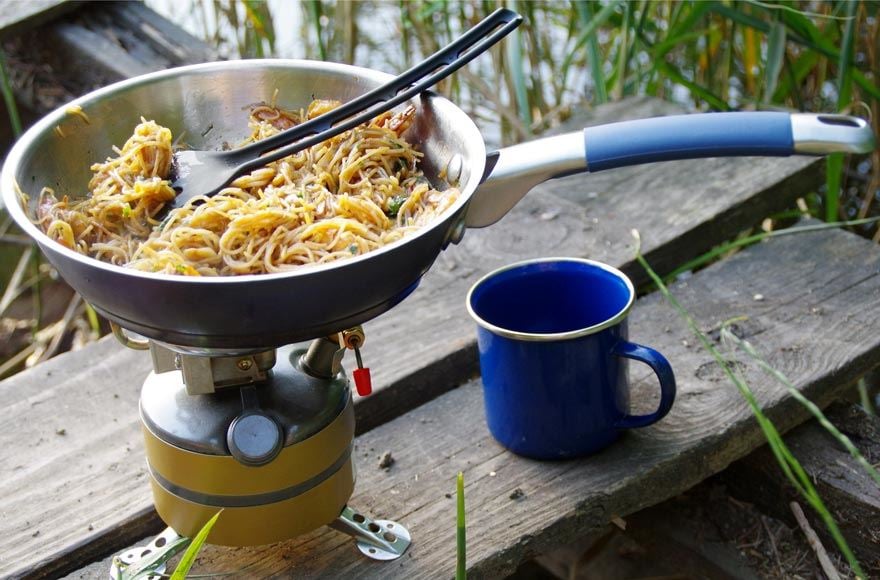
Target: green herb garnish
x,y
394,205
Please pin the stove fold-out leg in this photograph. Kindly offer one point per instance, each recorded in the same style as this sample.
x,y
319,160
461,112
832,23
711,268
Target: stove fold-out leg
x,y
151,557
376,539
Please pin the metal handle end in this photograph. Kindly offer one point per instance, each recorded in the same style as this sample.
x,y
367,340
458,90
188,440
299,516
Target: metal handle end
x,y
827,133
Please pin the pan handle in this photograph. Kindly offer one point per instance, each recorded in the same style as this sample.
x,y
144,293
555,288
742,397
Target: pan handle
x,y
513,171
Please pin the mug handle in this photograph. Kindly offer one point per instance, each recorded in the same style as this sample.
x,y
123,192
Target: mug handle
x,y
661,368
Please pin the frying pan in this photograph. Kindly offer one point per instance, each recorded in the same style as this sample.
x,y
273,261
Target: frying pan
x,y
206,104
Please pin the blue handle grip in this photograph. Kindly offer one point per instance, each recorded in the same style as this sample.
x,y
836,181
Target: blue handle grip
x,y
688,137
662,369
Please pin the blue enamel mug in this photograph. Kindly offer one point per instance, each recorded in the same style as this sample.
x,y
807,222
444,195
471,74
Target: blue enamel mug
x,y
552,336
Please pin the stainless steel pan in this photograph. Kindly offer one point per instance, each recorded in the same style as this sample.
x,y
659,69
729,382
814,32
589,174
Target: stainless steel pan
x,y
206,105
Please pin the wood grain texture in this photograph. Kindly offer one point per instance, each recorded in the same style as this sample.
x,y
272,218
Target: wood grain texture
x,y
104,42
72,452
17,16
419,350
816,323
116,40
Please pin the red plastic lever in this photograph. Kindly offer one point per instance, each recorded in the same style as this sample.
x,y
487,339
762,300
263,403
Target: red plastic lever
x,y
362,381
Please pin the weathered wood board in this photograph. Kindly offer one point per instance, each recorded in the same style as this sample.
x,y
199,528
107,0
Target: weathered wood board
x,y
110,41
92,45
419,350
815,322
16,16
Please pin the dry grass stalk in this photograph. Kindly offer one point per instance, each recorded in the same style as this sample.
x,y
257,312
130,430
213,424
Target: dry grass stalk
x,y
814,541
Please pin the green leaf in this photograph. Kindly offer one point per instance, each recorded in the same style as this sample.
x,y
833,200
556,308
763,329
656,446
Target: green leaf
x,y
585,14
394,205
693,13
514,46
460,529
189,557
9,98
844,76
622,51
775,57
315,11
865,84
590,29
833,173
801,67
676,76
94,324
146,567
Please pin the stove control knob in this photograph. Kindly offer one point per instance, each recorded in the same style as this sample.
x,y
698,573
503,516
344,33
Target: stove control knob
x,y
254,439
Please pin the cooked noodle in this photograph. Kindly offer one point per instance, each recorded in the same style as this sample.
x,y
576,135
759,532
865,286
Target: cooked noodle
x,y
347,196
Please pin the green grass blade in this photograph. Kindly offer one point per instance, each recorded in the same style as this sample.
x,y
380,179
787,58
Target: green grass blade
x,y
794,11
514,46
780,377
722,249
865,84
816,41
661,49
798,70
315,10
189,557
622,51
146,567
590,29
844,76
585,14
693,13
833,175
834,163
92,317
696,89
775,56
9,97
460,530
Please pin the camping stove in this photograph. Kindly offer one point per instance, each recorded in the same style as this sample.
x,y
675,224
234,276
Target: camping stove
x,y
264,435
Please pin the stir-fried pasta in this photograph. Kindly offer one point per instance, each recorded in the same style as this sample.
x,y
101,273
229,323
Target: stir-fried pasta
x,y
346,196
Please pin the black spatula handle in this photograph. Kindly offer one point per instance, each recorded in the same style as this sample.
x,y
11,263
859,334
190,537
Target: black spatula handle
x,y
360,110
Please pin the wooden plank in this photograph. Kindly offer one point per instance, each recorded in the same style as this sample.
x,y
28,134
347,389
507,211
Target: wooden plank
x,y
97,44
17,16
852,497
110,41
73,452
816,323
422,348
